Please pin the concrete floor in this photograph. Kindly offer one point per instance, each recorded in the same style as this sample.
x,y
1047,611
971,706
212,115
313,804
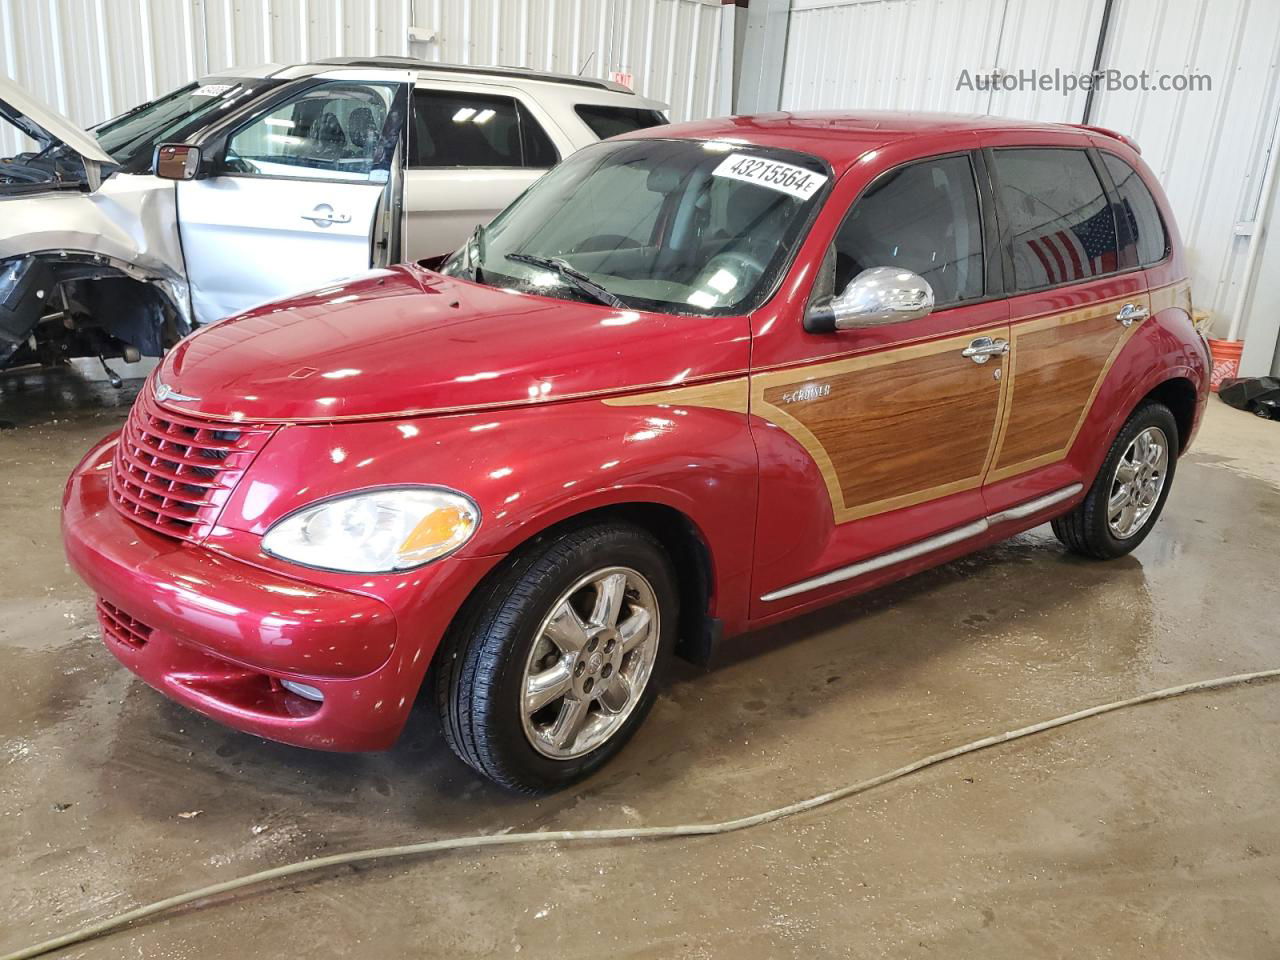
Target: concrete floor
x,y
1151,832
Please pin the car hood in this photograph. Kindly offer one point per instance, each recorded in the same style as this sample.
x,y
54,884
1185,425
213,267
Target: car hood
x,y
406,341
48,127
45,125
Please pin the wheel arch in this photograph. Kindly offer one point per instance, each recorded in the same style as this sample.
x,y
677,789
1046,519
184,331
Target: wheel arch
x,y
1176,388
685,542
1180,396
102,297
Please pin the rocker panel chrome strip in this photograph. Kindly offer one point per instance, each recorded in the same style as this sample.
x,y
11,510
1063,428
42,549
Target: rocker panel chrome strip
x,y
922,547
1024,510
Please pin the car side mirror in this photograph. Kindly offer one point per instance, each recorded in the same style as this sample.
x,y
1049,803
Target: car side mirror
x,y
873,298
177,161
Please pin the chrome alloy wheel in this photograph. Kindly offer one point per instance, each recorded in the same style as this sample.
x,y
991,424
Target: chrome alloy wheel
x,y
590,662
1138,482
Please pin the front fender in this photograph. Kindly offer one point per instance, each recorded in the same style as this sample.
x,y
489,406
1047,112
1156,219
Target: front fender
x,y
530,468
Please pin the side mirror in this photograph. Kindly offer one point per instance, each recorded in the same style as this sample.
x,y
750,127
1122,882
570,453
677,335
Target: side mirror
x,y
874,297
177,161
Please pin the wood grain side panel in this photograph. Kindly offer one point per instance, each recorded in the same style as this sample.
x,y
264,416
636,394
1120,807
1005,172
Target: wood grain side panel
x,y
908,426
730,395
1054,372
1170,296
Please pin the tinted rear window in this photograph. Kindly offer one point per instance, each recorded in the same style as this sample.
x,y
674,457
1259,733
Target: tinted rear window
x,y
608,122
1140,209
454,129
1063,229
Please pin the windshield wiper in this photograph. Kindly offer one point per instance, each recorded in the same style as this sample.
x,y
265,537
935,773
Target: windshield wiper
x,y
575,277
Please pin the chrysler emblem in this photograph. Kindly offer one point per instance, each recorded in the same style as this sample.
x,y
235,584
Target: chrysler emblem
x,y
165,392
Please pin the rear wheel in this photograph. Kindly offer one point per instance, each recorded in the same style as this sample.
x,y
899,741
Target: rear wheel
x,y
1130,490
556,662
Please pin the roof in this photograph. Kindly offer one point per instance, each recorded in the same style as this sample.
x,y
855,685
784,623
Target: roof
x,y
522,73
838,137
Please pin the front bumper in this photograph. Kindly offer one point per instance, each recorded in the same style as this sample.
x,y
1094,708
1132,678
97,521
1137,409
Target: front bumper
x,y
218,634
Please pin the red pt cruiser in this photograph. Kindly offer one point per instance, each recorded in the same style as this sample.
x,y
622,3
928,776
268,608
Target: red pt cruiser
x,y
695,380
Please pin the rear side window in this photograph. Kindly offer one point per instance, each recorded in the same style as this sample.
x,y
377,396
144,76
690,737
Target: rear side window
x,y
608,122
473,130
924,217
1145,224
1063,229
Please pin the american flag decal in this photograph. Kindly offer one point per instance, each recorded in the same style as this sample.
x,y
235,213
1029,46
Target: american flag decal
x,y
1083,250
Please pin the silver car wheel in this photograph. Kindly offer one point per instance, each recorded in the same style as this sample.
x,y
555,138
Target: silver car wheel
x,y
590,662
1138,482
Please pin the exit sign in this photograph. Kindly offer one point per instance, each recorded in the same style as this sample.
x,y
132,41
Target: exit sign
x,y
626,79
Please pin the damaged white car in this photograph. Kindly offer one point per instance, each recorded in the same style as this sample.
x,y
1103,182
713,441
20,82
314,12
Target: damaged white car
x,y
244,187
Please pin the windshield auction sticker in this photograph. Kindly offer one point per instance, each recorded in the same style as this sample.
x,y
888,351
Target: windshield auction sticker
x,y
784,177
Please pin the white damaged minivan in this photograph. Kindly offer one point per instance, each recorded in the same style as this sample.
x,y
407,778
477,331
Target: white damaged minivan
x,y
262,182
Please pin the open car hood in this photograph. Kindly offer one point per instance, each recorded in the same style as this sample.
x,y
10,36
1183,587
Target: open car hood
x,y
48,127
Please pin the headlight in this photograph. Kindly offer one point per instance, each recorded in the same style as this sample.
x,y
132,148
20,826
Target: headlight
x,y
376,531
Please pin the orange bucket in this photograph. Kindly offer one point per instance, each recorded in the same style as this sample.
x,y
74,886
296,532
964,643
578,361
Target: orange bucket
x,y
1226,360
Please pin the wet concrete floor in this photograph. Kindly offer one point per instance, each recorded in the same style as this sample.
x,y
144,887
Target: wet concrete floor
x,y
1153,832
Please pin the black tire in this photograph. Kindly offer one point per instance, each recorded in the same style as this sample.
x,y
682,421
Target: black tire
x,y
1085,529
480,667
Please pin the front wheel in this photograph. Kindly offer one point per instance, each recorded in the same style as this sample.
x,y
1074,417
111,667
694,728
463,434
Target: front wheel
x,y
556,661
1130,490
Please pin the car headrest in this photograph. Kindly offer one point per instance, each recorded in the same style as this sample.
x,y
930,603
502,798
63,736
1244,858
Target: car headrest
x,y
360,129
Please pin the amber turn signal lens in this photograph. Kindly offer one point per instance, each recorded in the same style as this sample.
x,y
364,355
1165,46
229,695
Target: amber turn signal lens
x,y
443,527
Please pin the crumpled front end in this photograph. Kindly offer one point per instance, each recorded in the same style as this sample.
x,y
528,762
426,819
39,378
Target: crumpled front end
x,y
96,274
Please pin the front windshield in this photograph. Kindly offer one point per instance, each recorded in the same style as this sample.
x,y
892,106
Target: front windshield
x,y
677,226
132,137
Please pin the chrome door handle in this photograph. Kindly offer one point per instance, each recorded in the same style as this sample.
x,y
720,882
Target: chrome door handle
x,y
1132,312
323,216
980,349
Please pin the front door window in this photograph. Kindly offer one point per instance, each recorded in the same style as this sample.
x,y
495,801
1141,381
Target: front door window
x,y
333,131
922,217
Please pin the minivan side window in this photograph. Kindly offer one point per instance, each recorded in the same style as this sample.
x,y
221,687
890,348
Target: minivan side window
x,y
454,129
606,122
1063,229
924,217
1145,223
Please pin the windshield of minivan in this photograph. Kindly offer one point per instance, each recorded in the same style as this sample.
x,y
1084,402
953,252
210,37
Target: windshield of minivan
x,y
677,226
132,137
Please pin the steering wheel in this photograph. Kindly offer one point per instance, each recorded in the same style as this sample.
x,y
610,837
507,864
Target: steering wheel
x,y
749,268
238,164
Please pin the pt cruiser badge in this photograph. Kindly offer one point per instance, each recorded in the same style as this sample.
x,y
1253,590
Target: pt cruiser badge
x,y
165,392
810,391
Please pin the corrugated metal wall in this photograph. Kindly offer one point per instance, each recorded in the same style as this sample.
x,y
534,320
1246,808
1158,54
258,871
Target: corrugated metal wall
x,y
92,59
1208,148
910,54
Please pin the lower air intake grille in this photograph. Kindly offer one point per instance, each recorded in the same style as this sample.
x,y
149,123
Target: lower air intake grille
x,y
122,628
